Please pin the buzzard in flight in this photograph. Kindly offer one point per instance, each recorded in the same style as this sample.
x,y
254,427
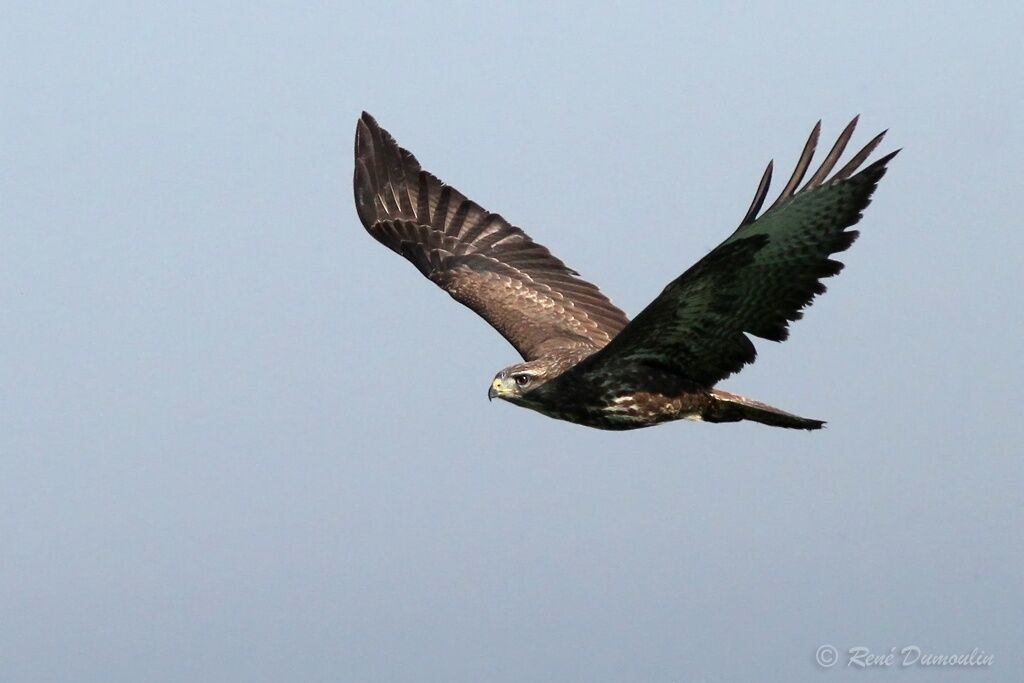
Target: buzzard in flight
x,y
585,361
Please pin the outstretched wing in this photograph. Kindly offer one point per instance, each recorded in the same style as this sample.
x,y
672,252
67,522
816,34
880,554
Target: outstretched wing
x,y
759,279
491,266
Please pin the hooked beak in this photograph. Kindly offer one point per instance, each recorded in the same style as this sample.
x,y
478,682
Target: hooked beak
x,y
495,390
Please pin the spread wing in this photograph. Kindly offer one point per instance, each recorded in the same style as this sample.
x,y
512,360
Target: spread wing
x,y
479,258
758,279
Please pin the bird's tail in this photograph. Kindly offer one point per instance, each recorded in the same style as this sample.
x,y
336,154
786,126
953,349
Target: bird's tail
x,y
726,407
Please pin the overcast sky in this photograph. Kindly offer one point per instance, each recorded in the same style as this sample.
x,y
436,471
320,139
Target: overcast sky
x,y
241,441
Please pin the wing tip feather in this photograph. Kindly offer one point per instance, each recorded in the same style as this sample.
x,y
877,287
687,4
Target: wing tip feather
x,y
820,177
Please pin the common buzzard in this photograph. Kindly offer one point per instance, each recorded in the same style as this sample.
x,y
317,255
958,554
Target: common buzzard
x,y
585,361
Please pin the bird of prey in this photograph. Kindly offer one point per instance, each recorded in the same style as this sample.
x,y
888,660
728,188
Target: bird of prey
x,y
584,360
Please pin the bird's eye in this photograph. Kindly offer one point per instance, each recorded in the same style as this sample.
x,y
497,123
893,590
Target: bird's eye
x,y
522,380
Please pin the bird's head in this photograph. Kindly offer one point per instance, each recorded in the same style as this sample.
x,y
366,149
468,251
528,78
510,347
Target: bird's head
x,y
514,383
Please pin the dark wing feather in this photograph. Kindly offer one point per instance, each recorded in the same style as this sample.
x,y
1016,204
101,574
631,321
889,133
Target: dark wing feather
x,y
491,266
755,282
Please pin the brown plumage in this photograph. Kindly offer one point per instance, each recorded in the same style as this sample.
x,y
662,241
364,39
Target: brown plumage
x,y
585,361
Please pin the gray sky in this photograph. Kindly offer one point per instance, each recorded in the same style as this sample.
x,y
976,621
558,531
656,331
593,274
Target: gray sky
x,y
241,441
